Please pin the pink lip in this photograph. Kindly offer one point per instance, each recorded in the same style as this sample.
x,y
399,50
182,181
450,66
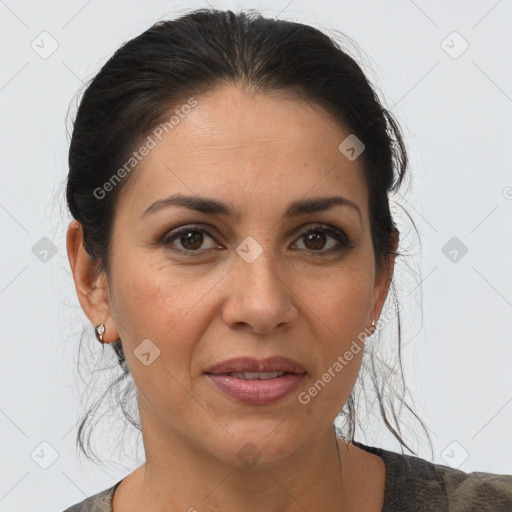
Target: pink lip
x,y
251,364
258,391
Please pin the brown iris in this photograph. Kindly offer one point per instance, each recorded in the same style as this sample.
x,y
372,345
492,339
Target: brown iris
x,y
318,240
191,239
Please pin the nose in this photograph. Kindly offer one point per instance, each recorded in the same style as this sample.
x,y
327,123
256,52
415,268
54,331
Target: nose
x,y
259,297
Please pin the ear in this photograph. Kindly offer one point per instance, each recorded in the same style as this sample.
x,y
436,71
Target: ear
x,y
91,285
383,279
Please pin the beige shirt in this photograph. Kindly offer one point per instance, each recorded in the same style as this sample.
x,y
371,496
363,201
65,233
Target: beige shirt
x,y
412,485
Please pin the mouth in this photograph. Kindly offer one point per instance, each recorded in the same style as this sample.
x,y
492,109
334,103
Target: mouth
x,y
251,368
257,382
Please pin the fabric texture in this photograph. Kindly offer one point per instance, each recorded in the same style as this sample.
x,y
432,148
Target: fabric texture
x,y
412,485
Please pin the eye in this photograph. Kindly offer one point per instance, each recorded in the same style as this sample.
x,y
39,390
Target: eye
x,y
315,238
191,239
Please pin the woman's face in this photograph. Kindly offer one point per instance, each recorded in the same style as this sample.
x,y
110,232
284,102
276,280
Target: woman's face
x,y
249,284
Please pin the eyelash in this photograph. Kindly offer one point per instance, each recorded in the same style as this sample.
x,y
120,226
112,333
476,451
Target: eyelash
x,y
338,235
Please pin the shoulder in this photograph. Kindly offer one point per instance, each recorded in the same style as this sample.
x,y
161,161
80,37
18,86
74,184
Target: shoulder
x,y
101,502
416,484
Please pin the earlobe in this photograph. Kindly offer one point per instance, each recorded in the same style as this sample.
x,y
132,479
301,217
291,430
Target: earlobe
x,y
90,284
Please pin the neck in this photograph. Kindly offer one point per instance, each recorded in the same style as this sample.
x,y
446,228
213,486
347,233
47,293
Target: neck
x,y
178,476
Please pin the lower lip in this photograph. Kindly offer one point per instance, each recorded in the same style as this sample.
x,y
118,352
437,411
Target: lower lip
x,y
257,392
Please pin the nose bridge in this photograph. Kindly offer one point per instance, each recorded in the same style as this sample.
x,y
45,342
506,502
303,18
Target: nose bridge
x,y
258,294
258,266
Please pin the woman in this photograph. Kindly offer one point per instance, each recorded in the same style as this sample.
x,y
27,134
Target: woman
x,y
233,242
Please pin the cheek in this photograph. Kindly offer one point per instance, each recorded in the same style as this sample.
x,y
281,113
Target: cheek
x,y
340,314
154,297
166,305
339,308
341,300
153,304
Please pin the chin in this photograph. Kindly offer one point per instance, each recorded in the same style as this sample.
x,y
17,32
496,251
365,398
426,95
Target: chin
x,y
257,447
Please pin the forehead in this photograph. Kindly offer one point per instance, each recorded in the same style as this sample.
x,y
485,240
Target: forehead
x,y
230,145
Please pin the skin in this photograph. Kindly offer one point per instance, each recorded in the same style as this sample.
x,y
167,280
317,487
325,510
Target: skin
x,y
257,154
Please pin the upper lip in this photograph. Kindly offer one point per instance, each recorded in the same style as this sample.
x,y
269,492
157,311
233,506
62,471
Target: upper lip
x,y
252,364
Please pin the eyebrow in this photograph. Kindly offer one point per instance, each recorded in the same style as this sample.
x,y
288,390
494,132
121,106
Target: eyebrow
x,y
214,207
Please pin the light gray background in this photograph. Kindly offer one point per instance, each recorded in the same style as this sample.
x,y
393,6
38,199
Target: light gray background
x,y
455,114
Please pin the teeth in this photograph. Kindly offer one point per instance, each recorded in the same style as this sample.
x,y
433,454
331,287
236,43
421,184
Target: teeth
x,y
256,375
